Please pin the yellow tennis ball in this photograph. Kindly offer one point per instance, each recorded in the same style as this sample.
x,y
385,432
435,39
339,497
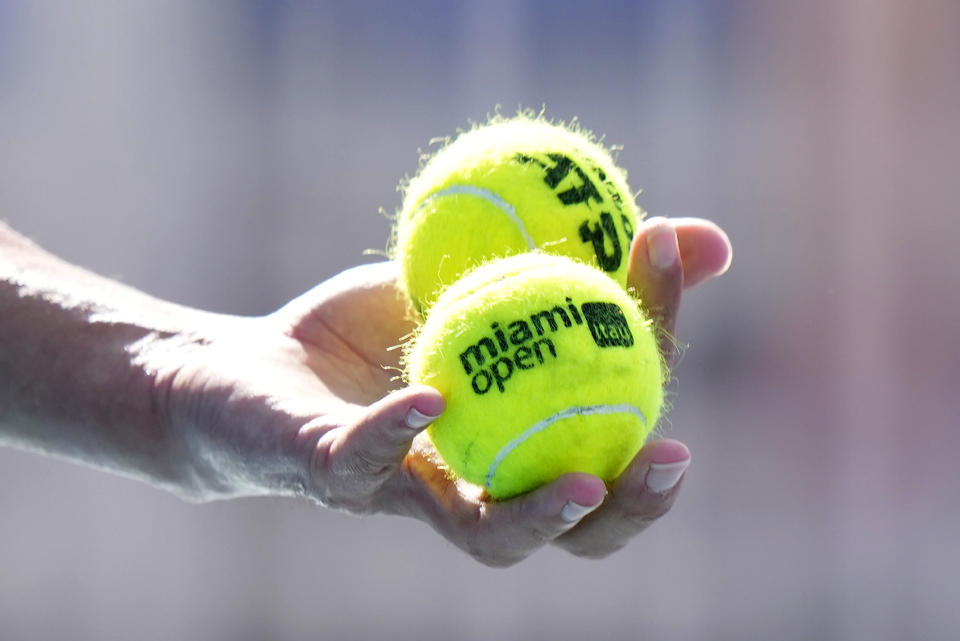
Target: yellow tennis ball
x,y
547,366
511,186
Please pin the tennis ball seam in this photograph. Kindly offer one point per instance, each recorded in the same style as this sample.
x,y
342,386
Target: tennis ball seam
x,y
539,426
485,194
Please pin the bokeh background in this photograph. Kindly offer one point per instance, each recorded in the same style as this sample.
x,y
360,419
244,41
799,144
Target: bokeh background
x,y
230,155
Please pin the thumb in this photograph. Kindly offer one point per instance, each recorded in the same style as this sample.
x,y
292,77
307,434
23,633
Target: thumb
x,y
656,273
370,449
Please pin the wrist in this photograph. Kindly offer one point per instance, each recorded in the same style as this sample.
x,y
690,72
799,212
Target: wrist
x,y
100,373
72,383
233,418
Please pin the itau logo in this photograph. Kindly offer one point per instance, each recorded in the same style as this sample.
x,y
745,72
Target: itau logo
x,y
608,325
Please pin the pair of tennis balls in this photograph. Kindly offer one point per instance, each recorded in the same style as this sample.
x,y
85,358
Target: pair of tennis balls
x,y
513,242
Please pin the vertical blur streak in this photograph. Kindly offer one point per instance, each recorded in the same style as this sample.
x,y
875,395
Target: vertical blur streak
x,y
492,55
863,236
897,280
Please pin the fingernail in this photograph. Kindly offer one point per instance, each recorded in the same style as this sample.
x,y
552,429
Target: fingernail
x,y
663,477
662,246
417,419
573,512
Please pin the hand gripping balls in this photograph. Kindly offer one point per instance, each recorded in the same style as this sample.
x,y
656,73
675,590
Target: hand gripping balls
x,y
511,186
548,367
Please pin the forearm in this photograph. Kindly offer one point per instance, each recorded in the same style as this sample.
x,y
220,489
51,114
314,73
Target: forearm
x,y
72,380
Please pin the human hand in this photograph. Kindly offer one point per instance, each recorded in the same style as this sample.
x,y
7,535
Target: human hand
x,y
666,257
300,402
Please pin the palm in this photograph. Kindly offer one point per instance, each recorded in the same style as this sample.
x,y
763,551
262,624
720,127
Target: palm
x,y
351,328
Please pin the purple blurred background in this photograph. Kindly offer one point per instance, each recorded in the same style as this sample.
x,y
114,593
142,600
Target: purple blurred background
x,y
230,155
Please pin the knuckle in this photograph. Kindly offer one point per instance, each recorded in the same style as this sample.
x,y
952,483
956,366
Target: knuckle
x,y
320,461
346,462
473,546
501,562
343,501
493,558
639,520
542,533
598,552
481,550
341,480
590,547
362,464
636,523
487,547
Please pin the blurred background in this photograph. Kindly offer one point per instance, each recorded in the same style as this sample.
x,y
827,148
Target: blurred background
x,y
229,155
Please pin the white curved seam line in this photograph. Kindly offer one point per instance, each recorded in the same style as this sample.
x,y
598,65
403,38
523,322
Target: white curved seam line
x,y
539,426
490,197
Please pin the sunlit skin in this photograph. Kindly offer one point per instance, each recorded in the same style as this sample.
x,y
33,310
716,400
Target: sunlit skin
x,y
305,401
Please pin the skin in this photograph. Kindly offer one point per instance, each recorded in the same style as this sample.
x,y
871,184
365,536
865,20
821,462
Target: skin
x,y
305,401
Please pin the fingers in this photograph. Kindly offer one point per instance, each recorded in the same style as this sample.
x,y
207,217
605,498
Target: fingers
x,y
504,533
351,462
705,249
371,463
497,533
656,275
668,256
643,493
575,512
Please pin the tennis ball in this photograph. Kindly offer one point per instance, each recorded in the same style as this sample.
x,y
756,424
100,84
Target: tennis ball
x,y
548,367
512,186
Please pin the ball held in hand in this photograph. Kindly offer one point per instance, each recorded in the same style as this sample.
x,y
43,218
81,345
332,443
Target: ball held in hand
x,y
511,186
548,367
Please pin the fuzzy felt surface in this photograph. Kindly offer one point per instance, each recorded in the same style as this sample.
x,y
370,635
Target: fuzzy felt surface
x,y
507,187
548,367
